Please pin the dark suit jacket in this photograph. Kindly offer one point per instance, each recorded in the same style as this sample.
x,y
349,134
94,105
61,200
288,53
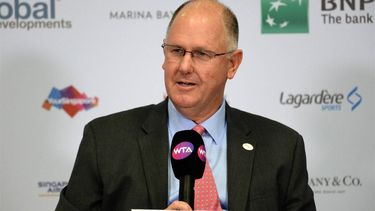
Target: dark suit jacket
x,y
122,164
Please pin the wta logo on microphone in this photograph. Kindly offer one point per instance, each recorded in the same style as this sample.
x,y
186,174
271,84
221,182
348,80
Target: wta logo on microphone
x,y
202,153
182,150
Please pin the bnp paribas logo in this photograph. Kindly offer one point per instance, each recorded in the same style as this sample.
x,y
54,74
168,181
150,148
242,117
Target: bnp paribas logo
x,y
285,16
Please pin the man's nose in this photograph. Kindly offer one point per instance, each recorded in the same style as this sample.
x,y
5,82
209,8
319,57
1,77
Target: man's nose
x,y
186,63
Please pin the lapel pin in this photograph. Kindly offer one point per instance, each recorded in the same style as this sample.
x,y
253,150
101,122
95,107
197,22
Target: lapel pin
x,y
247,146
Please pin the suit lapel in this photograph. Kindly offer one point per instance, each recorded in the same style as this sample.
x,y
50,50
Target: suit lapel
x,y
240,159
154,151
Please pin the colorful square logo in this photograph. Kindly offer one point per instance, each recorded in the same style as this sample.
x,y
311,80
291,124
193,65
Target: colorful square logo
x,y
284,16
70,100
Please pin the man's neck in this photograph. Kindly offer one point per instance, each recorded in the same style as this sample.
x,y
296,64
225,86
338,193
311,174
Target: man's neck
x,y
198,115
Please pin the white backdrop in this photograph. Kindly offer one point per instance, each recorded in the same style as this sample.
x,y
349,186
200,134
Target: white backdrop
x,y
111,50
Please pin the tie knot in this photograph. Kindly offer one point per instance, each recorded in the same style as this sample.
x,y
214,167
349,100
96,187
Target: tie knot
x,y
199,129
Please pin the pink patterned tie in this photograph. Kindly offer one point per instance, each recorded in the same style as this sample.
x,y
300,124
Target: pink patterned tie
x,y
206,196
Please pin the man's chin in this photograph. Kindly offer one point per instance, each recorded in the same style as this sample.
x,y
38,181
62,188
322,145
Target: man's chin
x,y
183,102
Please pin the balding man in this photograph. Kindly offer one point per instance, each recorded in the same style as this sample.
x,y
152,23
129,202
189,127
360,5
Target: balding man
x,y
257,164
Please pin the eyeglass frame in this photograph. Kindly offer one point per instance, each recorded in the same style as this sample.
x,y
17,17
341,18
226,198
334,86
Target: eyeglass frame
x,y
193,53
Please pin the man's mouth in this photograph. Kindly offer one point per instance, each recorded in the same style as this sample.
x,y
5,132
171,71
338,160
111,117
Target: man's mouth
x,y
181,83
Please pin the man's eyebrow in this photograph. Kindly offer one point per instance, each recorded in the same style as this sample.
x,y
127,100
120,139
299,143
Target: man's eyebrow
x,y
175,45
197,48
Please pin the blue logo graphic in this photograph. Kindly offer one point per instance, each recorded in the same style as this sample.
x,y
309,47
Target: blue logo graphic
x,y
354,98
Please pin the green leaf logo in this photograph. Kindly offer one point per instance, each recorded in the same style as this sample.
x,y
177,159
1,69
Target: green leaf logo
x,y
284,16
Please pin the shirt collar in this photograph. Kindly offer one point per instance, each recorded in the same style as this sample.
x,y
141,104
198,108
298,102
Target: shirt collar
x,y
215,125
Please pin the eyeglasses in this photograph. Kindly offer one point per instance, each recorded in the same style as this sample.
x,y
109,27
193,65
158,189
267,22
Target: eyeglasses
x,y
176,53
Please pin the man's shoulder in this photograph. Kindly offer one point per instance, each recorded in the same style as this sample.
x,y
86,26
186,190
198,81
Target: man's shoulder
x,y
270,134
259,122
134,116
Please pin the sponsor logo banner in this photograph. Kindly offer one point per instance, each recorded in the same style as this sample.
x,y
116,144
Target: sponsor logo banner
x,y
50,188
348,12
70,100
284,16
334,184
22,14
328,101
140,15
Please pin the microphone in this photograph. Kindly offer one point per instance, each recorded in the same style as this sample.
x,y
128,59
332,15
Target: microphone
x,y
188,158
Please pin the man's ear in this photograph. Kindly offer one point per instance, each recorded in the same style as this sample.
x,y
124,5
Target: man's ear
x,y
235,61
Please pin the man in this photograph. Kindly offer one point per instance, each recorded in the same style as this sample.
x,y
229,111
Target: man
x,y
257,164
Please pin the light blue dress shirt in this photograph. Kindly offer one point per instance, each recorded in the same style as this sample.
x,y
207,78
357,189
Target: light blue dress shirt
x,y
215,140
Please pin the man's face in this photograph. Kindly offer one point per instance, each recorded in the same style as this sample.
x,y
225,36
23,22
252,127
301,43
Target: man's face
x,y
192,84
